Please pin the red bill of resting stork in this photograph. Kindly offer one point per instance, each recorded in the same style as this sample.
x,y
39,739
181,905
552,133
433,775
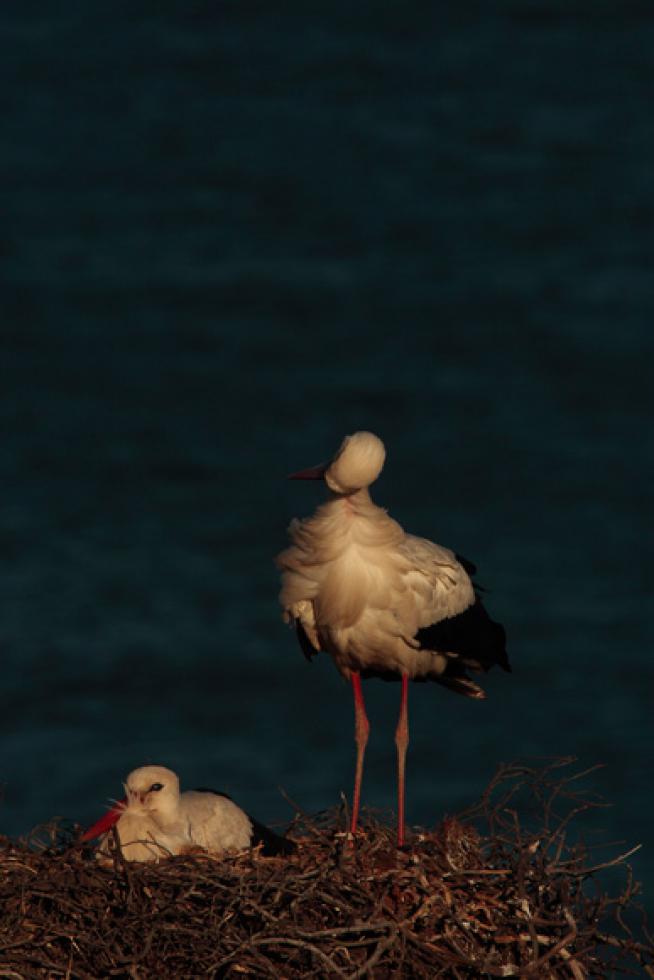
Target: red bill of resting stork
x,y
155,820
381,602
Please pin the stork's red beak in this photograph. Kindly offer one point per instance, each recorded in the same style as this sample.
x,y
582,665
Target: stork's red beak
x,y
105,822
313,473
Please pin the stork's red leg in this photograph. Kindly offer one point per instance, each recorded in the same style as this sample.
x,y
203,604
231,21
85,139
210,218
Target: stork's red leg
x,y
361,730
401,741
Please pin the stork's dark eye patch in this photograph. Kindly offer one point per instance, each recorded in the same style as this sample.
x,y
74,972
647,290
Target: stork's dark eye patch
x,y
155,787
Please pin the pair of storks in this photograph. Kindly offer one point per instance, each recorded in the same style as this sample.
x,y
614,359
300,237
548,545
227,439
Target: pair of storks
x,y
382,603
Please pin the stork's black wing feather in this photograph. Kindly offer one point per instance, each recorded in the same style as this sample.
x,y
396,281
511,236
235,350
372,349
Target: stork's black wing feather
x,y
306,645
470,568
472,635
273,844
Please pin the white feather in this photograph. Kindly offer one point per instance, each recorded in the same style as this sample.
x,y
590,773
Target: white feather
x,y
159,822
359,585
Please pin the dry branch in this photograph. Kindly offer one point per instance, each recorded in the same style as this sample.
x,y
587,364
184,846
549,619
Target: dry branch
x,y
500,891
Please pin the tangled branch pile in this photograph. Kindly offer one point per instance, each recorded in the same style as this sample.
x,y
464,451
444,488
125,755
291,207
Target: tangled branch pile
x,y
517,899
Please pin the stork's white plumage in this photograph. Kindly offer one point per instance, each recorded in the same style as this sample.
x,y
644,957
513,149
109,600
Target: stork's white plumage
x,y
155,820
142,838
381,602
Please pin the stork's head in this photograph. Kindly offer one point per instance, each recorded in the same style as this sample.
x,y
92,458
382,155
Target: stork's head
x,y
356,465
155,789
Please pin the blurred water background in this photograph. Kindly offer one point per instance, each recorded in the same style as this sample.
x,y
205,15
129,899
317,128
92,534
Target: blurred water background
x,y
230,234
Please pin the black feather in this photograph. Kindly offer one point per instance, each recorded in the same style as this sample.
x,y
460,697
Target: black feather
x,y
272,844
472,635
470,568
306,645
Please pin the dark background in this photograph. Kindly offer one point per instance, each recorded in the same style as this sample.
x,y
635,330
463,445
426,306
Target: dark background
x,y
231,234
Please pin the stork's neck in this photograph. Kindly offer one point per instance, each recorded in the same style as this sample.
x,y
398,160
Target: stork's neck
x,y
354,518
359,502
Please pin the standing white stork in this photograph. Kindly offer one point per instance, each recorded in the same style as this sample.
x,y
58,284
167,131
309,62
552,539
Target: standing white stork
x,y
381,602
156,820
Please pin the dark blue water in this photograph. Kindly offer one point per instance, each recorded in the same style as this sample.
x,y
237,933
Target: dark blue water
x,y
231,234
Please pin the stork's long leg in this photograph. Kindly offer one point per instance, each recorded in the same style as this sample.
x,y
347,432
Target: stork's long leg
x,y
361,731
402,741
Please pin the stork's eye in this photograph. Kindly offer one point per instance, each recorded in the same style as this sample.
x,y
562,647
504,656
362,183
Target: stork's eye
x,y
155,787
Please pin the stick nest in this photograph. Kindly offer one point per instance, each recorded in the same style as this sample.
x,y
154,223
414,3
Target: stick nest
x,y
500,891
